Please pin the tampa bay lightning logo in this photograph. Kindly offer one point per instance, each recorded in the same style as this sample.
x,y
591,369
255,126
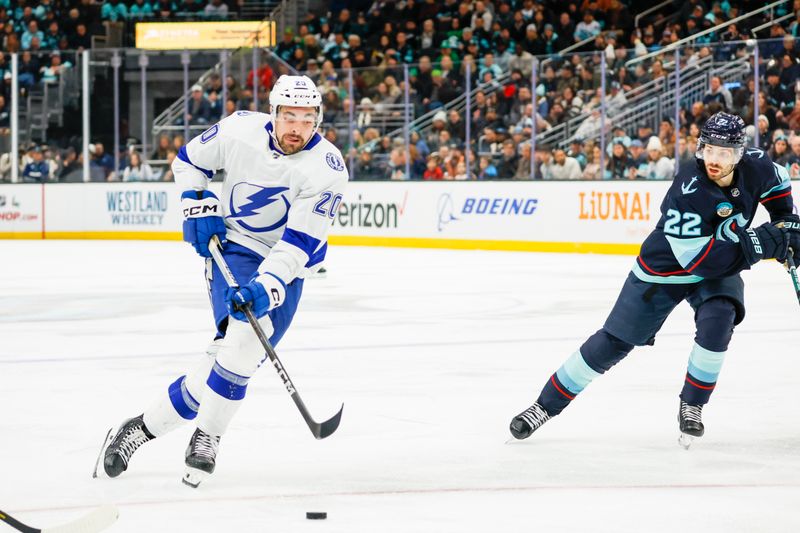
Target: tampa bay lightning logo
x,y
334,161
445,209
264,208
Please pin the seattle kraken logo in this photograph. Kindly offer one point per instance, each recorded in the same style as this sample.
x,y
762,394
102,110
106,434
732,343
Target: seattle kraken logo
x,y
727,230
260,206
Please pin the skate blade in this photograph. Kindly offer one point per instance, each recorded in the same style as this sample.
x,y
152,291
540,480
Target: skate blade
x,y
192,477
106,442
685,441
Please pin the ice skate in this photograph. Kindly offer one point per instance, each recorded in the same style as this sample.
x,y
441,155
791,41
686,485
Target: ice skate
x,y
124,443
690,423
201,455
528,421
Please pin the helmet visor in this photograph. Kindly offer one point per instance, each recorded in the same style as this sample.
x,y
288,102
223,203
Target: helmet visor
x,y
721,156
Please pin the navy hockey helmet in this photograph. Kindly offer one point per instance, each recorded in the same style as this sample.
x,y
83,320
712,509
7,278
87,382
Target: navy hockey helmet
x,y
721,143
724,129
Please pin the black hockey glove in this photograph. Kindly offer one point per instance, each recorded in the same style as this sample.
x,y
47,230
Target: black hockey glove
x,y
767,241
792,225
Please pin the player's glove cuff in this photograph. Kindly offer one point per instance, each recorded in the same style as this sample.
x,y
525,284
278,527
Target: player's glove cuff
x,y
202,214
767,241
264,293
792,225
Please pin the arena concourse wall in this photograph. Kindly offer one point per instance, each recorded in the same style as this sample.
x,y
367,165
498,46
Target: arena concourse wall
x,y
581,216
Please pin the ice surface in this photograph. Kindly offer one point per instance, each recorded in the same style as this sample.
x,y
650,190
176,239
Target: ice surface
x,y
432,353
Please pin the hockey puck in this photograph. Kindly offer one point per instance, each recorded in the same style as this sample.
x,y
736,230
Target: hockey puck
x,y
316,516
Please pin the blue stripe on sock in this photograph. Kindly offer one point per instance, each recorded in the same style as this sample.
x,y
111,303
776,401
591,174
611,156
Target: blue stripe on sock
x,y
699,375
575,374
226,383
705,365
182,401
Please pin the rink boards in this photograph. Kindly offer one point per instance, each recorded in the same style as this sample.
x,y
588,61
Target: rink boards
x,y
584,216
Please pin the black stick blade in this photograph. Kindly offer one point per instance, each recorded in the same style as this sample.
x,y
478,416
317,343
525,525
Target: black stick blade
x,y
327,428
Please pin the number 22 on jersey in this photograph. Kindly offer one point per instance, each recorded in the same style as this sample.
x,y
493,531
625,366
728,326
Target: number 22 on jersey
x,y
682,224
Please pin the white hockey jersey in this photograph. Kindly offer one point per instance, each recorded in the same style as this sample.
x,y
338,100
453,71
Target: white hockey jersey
x,y
280,206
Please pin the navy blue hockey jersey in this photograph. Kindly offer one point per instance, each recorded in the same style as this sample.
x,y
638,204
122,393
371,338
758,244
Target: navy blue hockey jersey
x,y
696,236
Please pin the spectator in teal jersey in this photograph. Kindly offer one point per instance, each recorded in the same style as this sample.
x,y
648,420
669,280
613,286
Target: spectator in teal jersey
x,y
550,39
588,27
52,36
141,9
29,34
486,170
114,10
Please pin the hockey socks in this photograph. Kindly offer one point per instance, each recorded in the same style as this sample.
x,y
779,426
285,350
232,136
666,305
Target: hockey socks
x,y
714,319
702,374
599,353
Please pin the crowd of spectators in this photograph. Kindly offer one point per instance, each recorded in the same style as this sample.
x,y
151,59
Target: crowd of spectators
x,y
437,43
41,163
438,40
48,33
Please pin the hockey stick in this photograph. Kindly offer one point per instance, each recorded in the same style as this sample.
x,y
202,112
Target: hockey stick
x,y
792,268
320,431
96,521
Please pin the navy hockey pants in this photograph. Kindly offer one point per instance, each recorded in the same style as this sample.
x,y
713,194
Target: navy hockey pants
x,y
636,318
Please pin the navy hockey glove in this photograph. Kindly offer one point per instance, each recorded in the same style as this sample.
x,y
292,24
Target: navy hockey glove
x,y
792,225
767,241
202,215
264,293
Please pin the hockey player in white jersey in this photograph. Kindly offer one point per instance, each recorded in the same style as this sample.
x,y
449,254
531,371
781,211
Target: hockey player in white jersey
x,y
283,184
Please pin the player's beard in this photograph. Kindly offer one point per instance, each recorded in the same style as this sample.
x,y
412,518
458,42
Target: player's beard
x,y
291,144
718,172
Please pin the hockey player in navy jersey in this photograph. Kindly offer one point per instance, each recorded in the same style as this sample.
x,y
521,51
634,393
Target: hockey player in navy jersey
x,y
283,184
696,252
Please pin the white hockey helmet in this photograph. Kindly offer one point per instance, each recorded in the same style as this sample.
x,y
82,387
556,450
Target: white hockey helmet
x,y
295,91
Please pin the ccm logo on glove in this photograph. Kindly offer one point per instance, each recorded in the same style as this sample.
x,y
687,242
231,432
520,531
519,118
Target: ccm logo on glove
x,y
203,220
200,210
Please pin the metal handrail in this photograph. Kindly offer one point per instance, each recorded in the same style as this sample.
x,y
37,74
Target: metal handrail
x,y
567,50
771,23
703,33
695,84
426,119
648,11
175,110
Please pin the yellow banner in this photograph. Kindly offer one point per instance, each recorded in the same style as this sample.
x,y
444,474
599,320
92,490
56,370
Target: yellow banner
x,y
204,35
